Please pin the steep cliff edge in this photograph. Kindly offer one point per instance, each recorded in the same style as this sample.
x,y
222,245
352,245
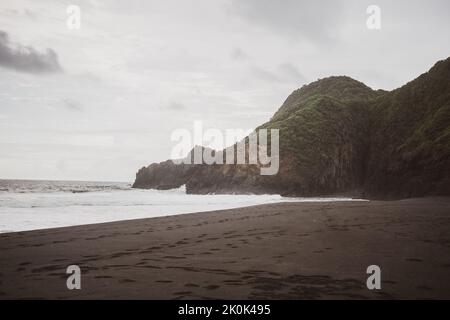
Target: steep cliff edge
x,y
339,136
410,138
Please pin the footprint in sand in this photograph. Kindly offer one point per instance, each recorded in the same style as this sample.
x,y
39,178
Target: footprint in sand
x,y
212,287
414,260
193,285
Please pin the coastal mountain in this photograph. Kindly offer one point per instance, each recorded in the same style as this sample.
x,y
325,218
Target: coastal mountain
x,y
338,136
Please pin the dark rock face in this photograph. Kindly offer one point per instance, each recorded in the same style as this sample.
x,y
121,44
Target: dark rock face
x,y
163,176
338,136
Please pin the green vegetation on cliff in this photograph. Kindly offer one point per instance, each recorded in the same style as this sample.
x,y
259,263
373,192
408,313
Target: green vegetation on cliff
x,y
338,136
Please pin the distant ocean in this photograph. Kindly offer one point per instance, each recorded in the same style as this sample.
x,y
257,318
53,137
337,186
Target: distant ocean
x,y
31,204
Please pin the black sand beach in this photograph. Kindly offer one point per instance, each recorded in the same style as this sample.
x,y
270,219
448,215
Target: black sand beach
x,y
278,251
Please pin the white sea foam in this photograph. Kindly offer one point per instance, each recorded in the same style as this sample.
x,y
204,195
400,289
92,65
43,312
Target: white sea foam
x,y
41,205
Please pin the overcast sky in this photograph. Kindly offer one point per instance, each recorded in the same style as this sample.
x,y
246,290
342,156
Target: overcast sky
x,y
100,102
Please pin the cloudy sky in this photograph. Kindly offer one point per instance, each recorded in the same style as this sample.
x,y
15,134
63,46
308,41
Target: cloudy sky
x,y
99,102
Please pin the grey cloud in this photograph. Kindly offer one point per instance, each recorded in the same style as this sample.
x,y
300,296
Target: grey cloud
x,y
176,106
285,72
31,14
73,105
290,71
317,20
263,74
27,59
238,54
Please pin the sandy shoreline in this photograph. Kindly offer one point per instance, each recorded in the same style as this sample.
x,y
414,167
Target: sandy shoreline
x,y
275,251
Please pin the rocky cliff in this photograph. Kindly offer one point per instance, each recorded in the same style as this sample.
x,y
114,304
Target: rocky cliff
x,y
338,136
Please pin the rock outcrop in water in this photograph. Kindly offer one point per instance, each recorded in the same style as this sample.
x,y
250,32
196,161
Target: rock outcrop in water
x,y
338,136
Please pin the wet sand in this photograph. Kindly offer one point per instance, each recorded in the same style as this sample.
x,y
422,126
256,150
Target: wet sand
x,y
277,251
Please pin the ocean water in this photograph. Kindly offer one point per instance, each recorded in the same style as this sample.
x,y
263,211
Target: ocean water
x,y
30,205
